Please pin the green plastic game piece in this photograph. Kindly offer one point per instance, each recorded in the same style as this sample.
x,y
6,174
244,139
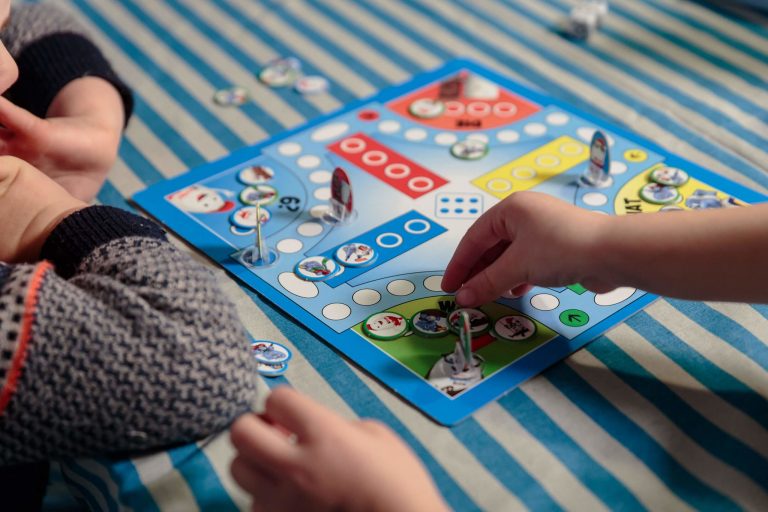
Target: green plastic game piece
x,y
574,318
576,288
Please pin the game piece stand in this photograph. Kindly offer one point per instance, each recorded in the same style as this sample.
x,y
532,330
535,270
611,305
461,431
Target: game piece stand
x,y
340,209
597,174
259,255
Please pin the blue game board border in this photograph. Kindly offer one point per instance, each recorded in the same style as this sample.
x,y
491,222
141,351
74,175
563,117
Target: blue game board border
x,y
443,409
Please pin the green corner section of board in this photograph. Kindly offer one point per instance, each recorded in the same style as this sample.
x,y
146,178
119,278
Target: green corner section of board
x,y
420,353
576,288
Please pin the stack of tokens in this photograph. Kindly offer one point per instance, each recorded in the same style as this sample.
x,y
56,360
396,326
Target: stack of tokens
x,y
286,71
272,358
663,185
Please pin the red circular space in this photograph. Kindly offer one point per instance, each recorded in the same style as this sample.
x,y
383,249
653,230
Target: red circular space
x,y
368,115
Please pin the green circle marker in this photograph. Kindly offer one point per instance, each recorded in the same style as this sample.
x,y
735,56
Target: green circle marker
x,y
574,318
385,326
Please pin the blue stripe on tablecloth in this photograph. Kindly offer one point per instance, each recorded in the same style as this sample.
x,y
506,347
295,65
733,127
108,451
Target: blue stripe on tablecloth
x,y
338,89
80,491
762,309
96,481
223,133
696,426
193,465
591,473
175,142
726,329
142,167
697,493
700,368
109,195
661,118
132,492
304,108
359,396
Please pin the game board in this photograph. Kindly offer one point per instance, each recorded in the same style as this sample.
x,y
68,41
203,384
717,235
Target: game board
x,y
421,172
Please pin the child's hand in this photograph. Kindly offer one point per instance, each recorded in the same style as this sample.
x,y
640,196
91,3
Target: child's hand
x,y
527,239
31,205
77,143
302,456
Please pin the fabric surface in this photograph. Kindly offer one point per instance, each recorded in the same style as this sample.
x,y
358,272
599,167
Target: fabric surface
x,y
668,411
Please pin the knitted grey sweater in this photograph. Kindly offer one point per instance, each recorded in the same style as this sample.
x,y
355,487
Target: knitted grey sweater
x,y
116,343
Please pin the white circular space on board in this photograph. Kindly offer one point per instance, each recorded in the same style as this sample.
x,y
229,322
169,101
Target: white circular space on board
x,y
545,302
319,211
320,177
614,296
389,126
296,286
558,118
401,287
433,283
595,199
618,167
535,129
329,131
323,194
308,161
478,136
446,138
415,134
366,297
310,229
508,136
289,148
336,311
289,245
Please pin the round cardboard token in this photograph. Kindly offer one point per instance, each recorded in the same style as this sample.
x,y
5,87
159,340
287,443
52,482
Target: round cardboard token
x,y
270,352
312,84
430,323
245,218
255,174
271,370
385,326
316,268
278,75
671,176
231,97
479,322
659,194
258,194
355,254
470,149
514,328
426,108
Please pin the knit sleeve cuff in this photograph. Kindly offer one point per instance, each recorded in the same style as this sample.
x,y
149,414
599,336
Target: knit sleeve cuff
x,y
80,233
50,63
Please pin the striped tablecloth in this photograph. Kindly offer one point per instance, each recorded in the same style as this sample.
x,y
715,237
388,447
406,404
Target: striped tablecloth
x,y
668,411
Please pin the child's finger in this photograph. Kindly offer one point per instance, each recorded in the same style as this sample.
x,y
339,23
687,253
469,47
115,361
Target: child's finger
x,y
17,119
298,413
491,282
262,444
253,480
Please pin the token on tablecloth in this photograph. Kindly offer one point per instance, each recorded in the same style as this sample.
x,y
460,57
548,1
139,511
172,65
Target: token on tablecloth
x,y
280,72
245,218
659,194
270,352
271,370
469,149
231,97
514,328
478,321
255,174
426,108
355,254
671,176
311,84
261,194
385,326
316,268
430,323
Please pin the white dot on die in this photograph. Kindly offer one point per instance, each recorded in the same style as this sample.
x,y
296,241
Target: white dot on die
x,y
320,177
289,148
595,199
401,287
558,118
336,311
433,283
308,161
296,286
544,302
508,136
289,245
618,167
445,138
535,129
415,134
310,229
323,194
389,126
366,297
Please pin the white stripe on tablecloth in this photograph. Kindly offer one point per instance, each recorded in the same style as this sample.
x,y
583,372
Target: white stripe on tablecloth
x,y
746,316
163,481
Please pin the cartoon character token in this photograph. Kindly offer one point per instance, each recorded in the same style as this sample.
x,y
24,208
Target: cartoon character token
x,y
659,194
312,84
430,323
426,108
478,321
671,176
355,254
261,194
200,199
270,352
231,97
255,174
271,370
470,149
707,199
245,218
316,268
514,328
597,173
385,326
341,195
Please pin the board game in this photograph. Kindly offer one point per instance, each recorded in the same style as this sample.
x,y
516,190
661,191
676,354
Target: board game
x,y
424,160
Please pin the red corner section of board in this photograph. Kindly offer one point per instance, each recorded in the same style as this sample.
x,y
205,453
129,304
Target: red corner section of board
x,y
387,165
469,103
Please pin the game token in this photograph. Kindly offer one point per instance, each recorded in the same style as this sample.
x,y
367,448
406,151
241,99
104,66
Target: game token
x,y
426,108
385,326
271,370
703,200
671,176
470,149
671,208
355,254
280,72
430,323
270,352
478,321
341,198
261,194
598,170
231,97
255,174
245,218
514,328
312,84
659,194
316,268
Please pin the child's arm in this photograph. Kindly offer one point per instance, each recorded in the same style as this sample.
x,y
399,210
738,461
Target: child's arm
x,y
534,239
123,344
301,456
